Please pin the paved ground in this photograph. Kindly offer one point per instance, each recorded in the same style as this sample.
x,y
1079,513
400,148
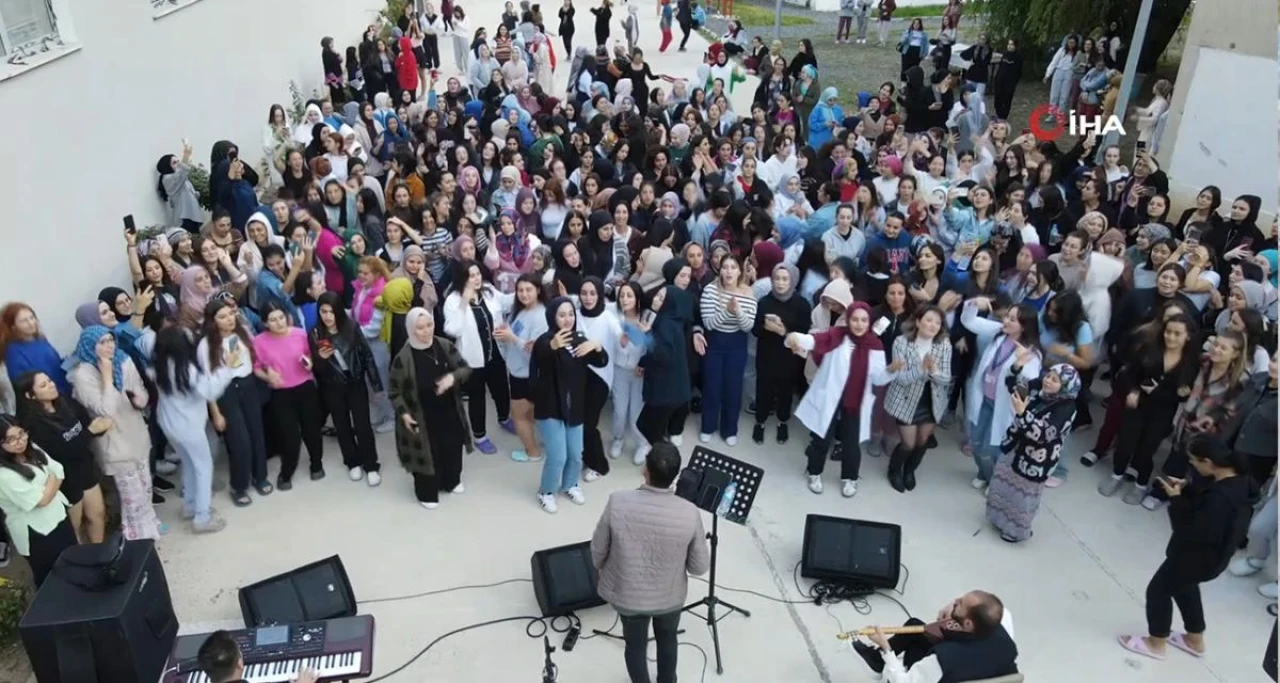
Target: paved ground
x,y
1071,588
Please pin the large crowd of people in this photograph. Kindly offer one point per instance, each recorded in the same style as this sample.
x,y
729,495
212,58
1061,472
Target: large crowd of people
x,y
877,265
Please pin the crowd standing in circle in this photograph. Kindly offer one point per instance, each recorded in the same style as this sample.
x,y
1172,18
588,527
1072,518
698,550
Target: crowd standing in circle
x,y
887,262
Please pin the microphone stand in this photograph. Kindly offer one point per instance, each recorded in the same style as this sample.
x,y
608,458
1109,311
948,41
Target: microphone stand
x,y
549,670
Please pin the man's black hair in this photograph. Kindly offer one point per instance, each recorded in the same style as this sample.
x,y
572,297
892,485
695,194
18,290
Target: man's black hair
x,y
662,464
218,656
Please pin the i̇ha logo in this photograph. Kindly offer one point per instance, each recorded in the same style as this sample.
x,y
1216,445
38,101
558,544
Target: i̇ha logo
x,y
1048,123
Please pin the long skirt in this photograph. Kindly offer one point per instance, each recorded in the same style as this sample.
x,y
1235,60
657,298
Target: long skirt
x,y
1012,501
137,517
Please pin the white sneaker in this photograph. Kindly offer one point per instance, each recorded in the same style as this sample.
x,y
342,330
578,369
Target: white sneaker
x,y
459,488
430,506
1246,566
850,488
548,501
615,448
640,455
385,427
165,467
1269,590
677,439
355,473
978,483
576,495
374,479
815,483
731,441
590,475
704,438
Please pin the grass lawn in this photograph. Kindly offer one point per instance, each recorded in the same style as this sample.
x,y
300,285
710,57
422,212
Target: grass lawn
x,y
750,16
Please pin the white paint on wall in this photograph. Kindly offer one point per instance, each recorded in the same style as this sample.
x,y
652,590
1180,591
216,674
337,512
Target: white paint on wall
x,y
84,132
1227,135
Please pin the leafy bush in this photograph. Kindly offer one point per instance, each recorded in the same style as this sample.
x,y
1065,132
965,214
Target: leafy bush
x,y
13,604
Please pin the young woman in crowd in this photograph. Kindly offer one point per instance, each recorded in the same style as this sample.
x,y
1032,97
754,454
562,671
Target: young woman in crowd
x,y
598,323
1067,337
728,312
778,371
26,349
839,402
372,313
431,429
35,509
920,382
108,385
1043,411
627,390
282,359
472,312
346,372
237,414
558,379
524,320
61,428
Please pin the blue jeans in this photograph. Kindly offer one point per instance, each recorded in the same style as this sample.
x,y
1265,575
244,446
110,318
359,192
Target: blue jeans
x,y
1060,89
984,454
723,370
563,463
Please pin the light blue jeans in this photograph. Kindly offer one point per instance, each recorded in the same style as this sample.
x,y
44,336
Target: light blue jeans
x,y
628,401
197,472
563,463
1060,89
380,410
984,454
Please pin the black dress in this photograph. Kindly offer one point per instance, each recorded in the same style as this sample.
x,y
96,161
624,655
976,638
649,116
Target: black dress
x,y
65,437
444,429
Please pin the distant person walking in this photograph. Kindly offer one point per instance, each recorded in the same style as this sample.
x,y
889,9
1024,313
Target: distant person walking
x,y
884,15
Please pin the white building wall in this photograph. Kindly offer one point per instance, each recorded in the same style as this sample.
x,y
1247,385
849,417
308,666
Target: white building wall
x,y
83,133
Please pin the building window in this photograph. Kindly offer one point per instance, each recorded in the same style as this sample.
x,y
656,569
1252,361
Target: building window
x,y
27,27
160,8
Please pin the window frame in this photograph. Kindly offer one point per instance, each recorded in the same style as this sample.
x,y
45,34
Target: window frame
x,y
16,53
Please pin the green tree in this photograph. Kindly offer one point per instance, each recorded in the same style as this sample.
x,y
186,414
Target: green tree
x,y
1040,24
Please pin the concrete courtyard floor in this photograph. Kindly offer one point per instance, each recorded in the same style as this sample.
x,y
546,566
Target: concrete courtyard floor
x,y
1071,588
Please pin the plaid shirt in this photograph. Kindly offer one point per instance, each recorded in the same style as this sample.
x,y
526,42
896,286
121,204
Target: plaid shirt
x,y
908,383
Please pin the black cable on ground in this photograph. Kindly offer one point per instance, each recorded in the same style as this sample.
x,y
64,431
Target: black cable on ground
x,y
441,591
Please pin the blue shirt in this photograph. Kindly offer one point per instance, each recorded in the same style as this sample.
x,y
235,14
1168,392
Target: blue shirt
x,y
1048,337
37,355
271,288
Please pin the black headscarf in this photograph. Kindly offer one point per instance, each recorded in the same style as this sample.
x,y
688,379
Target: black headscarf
x,y
597,254
672,268
567,275
552,307
599,307
658,232
108,296
165,167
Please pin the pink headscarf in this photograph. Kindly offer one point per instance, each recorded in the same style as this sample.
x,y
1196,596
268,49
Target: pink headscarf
x,y
190,296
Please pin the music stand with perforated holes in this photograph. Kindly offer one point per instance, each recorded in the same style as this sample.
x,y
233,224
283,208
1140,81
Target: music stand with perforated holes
x,y
703,483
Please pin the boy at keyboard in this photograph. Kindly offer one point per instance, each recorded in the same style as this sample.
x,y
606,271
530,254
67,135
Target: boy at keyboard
x,y
221,662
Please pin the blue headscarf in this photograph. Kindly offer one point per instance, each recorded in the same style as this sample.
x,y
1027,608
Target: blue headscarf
x,y
790,231
87,352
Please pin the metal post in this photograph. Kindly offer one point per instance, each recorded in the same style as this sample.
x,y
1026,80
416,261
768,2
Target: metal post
x,y
1130,72
777,21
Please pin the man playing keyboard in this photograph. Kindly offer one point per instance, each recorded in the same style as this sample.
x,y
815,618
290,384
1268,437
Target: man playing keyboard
x,y
221,661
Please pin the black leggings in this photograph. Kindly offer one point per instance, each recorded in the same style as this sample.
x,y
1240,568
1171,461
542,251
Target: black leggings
x,y
592,445
348,404
431,46
1173,584
43,549
657,423
961,367
685,30
1141,433
493,376
568,45
296,414
774,392
241,407
845,426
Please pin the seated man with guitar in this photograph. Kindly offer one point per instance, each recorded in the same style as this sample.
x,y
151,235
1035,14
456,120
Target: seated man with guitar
x,y
221,661
968,642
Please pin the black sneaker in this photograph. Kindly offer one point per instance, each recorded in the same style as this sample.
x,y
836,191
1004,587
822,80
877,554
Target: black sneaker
x,y
161,484
757,433
870,654
317,475
283,484
782,434
932,442
156,498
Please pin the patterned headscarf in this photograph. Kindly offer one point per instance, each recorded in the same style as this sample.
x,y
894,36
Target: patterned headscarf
x,y
1070,378
87,352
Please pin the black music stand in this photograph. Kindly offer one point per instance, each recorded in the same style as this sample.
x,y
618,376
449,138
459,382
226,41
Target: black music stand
x,y
702,483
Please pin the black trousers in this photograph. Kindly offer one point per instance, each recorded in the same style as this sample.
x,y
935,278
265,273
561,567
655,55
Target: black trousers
x,y
295,413
44,549
431,46
961,367
912,646
1086,394
846,427
774,392
348,404
494,376
427,487
1173,584
1141,433
1004,99
657,423
635,633
593,456
685,30
568,45
241,406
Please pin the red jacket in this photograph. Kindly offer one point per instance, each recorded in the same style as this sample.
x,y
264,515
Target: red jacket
x,y
407,66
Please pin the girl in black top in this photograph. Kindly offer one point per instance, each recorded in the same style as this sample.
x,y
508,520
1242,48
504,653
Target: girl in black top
x,y
558,376
62,428
603,15
567,28
778,370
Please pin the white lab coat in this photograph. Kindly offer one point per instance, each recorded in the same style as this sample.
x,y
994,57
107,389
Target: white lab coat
x,y
822,400
989,340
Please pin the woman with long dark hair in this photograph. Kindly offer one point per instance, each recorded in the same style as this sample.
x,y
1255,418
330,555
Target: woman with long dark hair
x,y
920,379
599,324
237,414
525,321
728,309
283,361
472,312
61,427
35,510
345,368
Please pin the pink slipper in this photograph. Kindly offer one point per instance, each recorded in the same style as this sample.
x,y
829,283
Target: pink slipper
x,y
1053,482
1138,645
1179,641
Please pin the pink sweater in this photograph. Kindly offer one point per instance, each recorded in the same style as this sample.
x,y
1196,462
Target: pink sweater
x,y
282,354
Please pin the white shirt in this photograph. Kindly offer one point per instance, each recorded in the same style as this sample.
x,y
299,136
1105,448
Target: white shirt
x,y
228,342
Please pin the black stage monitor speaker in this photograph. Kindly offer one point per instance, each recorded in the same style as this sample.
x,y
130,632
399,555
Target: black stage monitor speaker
x,y
117,631
851,551
564,579
317,591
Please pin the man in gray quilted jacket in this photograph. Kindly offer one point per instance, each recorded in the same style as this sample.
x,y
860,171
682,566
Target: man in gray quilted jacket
x,y
646,544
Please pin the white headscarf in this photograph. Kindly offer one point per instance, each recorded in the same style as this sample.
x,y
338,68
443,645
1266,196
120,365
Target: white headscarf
x,y
302,134
411,324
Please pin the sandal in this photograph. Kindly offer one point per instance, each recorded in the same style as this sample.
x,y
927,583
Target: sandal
x,y
264,488
1138,645
1179,641
241,499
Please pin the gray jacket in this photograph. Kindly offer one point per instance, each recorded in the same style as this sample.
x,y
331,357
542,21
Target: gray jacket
x,y
646,544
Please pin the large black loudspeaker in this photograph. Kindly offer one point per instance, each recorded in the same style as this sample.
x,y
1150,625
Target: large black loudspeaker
x,y
120,632
851,551
320,590
564,579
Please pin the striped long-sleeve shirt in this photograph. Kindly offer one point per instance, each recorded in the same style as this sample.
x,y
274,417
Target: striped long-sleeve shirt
x,y
715,312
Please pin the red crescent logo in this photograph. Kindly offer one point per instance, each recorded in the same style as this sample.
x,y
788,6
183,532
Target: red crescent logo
x,y
1038,123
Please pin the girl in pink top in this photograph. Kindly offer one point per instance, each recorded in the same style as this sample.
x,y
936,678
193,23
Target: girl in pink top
x,y
283,361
